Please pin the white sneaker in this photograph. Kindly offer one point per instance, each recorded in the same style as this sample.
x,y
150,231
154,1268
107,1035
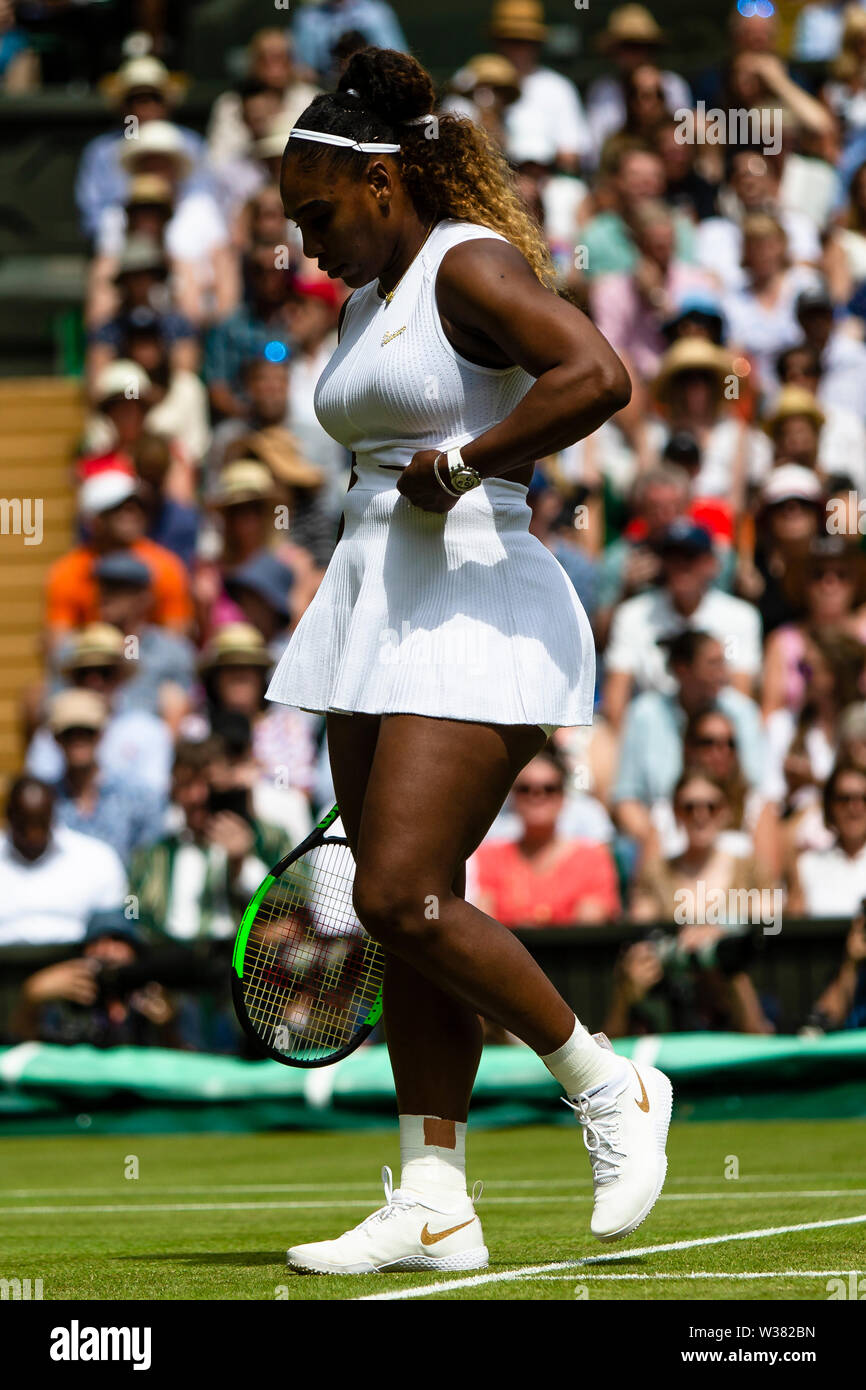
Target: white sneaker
x,y
625,1126
406,1234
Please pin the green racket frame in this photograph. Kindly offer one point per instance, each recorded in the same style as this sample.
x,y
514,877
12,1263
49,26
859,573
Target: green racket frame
x,y
317,837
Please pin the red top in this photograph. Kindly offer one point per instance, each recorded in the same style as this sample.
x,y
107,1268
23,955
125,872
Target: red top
x,y
518,896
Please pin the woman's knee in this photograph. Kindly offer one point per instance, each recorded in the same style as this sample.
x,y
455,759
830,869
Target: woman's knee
x,y
390,905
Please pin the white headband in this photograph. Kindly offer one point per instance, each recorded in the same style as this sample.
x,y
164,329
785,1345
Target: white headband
x,y
366,147
346,141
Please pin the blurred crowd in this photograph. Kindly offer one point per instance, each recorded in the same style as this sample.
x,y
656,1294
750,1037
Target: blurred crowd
x,y
713,225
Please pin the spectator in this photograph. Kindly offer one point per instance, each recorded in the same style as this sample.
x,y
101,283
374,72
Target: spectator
x,y
51,878
831,882
196,235
685,599
135,664
753,187
796,424
115,810
260,327
802,744
136,742
555,521
842,444
482,90
547,100
140,279
674,889
636,174
542,879
631,564
148,207
845,93
170,523
653,747
196,881
833,581
122,397
762,315
271,69
86,1000
791,513
316,29
143,92
845,255
235,668
843,1002
842,358
631,309
113,511
631,41
19,64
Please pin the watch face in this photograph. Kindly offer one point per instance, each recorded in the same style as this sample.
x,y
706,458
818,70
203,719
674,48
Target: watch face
x,y
464,479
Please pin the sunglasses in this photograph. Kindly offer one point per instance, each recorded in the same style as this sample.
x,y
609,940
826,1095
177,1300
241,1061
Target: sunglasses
x,y
831,571
719,741
850,798
689,807
539,789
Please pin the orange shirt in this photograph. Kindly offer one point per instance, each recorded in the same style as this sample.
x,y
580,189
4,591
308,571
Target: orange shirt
x,y
517,896
73,593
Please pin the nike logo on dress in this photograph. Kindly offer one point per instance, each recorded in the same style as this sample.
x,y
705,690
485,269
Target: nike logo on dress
x,y
643,1103
389,337
428,1238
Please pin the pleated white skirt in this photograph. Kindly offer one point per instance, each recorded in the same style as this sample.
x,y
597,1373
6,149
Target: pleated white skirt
x,y
457,616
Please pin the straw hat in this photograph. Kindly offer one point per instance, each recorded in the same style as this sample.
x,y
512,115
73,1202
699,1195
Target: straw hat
x,y
77,709
629,24
157,137
236,644
149,188
282,454
247,480
97,644
794,400
122,377
143,74
518,19
690,355
488,70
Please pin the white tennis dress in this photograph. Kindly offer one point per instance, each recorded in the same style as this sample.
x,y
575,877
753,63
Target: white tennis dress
x,y
462,615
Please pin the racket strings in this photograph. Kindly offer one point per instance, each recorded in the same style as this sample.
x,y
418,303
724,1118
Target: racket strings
x,y
311,975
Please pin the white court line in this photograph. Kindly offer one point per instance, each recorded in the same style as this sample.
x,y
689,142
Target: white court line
x,y
528,1271
135,1205
569,1184
707,1274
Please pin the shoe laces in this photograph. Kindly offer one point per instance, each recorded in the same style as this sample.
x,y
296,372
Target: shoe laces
x,y
598,1114
395,1200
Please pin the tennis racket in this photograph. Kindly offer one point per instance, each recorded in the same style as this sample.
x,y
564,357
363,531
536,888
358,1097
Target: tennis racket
x,y
306,977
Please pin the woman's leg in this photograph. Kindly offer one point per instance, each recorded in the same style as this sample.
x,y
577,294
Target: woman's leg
x,y
434,788
434,1040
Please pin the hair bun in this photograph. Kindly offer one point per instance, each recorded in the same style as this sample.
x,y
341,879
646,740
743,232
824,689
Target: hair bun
x,y
389,84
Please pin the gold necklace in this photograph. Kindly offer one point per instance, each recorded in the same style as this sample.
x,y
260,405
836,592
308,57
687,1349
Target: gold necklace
x,y
389,294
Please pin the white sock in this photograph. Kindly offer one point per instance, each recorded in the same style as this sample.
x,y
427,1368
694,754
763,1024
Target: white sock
x,y
580,1063
433,1154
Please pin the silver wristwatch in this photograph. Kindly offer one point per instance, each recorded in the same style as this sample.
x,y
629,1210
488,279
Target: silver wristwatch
x,y
461,476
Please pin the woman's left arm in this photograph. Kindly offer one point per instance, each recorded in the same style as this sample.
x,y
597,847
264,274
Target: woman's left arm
x,y
495,311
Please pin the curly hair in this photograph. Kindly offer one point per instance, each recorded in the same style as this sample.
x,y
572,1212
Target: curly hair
x,y
450,167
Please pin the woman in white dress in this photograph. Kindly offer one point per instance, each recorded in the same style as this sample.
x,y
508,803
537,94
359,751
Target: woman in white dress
x,y
445,642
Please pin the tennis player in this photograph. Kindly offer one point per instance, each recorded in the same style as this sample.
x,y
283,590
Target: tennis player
x,y
445,643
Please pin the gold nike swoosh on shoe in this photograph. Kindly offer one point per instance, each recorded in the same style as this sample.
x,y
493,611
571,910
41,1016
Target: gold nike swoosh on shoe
x,y
643,1103
428,1238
